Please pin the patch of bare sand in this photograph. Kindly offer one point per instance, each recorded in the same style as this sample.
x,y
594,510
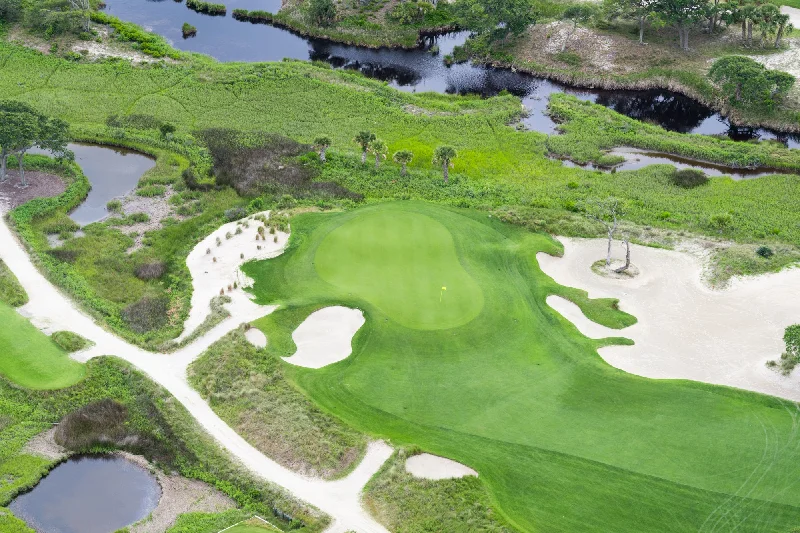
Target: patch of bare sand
x,y
326,336
256,337
597,51
157,208
427,466
787,61
40,185
44,445
686,330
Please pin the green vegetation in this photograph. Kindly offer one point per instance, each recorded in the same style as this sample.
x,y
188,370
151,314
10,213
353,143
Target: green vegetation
x,y
11,292
246,387
70,342
31,359
149,422
746,82
188,30
522,397
209,8
207,522
791,357
405,504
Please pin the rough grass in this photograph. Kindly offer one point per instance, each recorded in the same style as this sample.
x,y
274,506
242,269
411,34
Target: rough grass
x,y
11,292
30,358
246,387
70,342
520,396
405,504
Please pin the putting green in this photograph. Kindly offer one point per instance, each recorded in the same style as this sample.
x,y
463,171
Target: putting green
x,y
562,441
405,264
29,358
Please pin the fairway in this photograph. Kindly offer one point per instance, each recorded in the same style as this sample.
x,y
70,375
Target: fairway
x,y
563,441
29,358
405,264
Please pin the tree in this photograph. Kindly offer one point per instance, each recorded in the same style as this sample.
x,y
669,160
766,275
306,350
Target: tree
x,y
322,12
627,242
607,212
322,143
10,10
57,16
166,129
363,138
500,16
577,14
404,157
683,14
443,156
22,128
641,10
378,148
745,81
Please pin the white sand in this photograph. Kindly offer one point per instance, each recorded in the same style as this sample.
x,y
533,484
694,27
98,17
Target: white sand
x,y
256,337
573,313
210,276
794,15
427,466
686,330
326,336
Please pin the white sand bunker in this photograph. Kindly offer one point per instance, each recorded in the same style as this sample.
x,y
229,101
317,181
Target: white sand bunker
x,y
326,336
256,337
573,313
685,329
214,265
427,466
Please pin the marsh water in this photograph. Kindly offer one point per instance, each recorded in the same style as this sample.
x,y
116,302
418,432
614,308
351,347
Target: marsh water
x,y
112,172
89,494
227,39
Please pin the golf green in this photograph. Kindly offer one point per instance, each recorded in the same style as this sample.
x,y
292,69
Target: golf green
x,y
405,264
562,441
29,358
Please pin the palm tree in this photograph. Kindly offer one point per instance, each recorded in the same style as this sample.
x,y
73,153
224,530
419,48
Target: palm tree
x,y
378,148
363,139
404,157
322,143
444,155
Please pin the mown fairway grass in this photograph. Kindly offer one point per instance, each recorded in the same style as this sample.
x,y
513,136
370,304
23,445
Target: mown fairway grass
x,y
31,359
563,441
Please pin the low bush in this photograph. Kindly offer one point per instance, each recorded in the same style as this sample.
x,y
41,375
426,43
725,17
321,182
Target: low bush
x,y
188,31
114,206
147,314
765,252
688,178
151,270
208,8
150,191
101,422
64,255
69,342
235,213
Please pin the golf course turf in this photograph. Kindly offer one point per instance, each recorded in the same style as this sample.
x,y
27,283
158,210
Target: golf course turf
x,y
30,358
563,441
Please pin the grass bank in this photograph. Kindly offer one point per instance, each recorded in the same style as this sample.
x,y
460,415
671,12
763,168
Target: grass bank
x,y
520,396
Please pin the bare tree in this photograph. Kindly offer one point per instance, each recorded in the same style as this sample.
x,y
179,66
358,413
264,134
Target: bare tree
x,y
608,213
627,242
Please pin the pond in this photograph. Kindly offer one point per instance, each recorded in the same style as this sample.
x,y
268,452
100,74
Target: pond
x,y
227,39
636,158
89,494
112,172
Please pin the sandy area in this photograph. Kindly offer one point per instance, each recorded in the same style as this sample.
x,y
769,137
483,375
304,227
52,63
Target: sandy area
x,y
44,445
685,329
216,267
573,313
40,185
256,337
427,466
157,208
326,336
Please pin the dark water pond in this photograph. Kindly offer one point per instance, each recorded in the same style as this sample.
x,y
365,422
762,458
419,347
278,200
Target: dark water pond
x,y
636,158
112,172
90,494
415,70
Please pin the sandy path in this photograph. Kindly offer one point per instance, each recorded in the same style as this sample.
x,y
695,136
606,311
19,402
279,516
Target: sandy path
x,y
325,336
427,466
50,310
686,330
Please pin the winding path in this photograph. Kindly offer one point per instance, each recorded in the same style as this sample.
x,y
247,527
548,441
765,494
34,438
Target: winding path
x,y
50,310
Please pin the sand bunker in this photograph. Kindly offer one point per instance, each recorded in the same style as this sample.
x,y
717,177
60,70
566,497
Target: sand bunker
x,y
427,466
256,337
214,265
325,337
686,330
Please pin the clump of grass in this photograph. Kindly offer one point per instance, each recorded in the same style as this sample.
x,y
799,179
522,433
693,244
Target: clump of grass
x,y
101,422
750,260
188,30
208,8
114,206
150,270
689,178
69,341
569,58
146,315
11,292
150,191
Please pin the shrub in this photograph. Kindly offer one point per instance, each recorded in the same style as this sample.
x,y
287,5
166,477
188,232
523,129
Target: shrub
x,y
61,224
146,315
98,423
150,191
411,11
114,206
720,221
322,12
65,256
791,357
188,30
69,342
206,7
235,213
166,129
139,218
765,252
151,270
688,178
